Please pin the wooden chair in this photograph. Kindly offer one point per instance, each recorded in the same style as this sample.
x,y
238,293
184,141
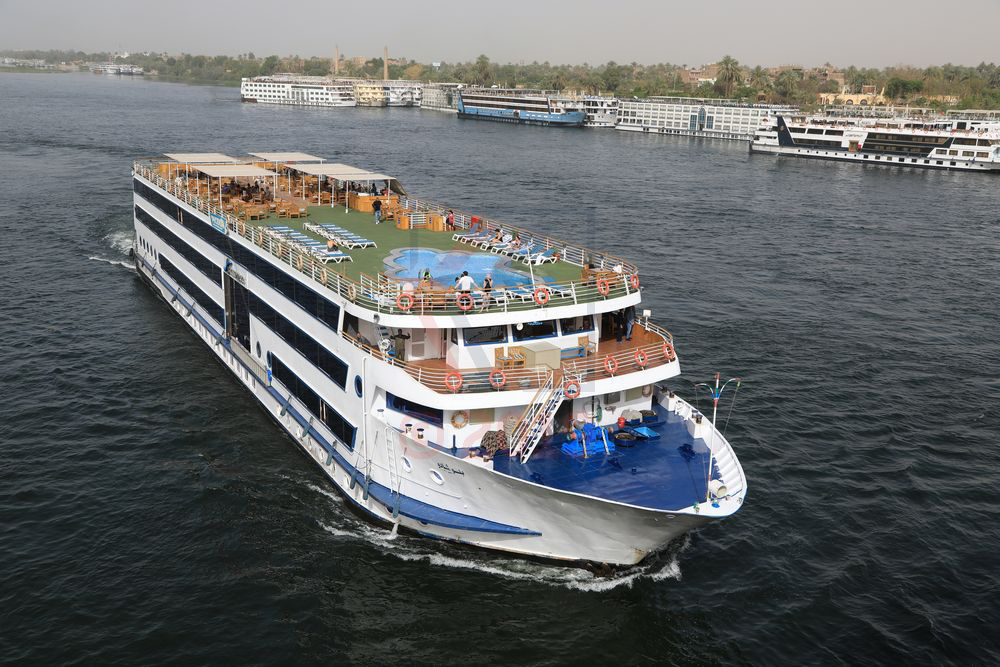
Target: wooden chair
x,y
586,345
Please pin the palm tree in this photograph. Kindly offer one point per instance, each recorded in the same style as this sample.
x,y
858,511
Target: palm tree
x,y
760,78
730,73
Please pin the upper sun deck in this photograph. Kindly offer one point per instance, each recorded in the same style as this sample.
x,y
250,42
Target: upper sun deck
x,y
291,205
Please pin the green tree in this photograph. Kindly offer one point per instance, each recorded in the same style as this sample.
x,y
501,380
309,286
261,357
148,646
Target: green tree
x,y
730,74
760,78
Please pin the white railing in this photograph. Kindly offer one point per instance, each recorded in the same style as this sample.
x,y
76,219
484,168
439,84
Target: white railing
x,y
610,277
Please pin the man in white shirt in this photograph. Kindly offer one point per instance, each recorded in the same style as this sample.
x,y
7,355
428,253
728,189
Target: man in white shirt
x,y
466,283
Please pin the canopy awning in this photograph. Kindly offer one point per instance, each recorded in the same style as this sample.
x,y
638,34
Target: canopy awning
x,y
233,171
340,172
202,158
287,157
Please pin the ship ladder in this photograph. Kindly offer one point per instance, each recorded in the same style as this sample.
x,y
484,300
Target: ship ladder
x,y
392,465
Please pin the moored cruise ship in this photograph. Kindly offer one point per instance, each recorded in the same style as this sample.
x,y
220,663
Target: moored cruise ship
x,y
601,111
530,107
507,416
311,91
929,143
695,117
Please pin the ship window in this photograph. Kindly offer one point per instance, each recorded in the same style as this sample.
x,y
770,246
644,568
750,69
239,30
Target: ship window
x,y
351,325
575,325
533,330
432,416
195,258
339,426
485,335
211,308
982,154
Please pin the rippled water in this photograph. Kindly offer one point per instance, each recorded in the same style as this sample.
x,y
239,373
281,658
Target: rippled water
x,y
149,512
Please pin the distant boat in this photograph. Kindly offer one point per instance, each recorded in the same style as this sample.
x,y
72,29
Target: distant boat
x,y
528,107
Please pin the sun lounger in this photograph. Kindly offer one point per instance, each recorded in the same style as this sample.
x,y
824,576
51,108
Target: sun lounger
x,y
541,257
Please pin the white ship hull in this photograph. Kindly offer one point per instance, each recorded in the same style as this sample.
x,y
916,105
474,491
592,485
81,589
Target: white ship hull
x,y
884,160
556,524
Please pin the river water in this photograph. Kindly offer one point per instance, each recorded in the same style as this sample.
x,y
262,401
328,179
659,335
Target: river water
x,y
150,512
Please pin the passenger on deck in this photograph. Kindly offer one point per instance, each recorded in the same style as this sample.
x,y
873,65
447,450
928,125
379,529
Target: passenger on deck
x,y
449,220
498,236
466,283
377,207
487,288
516,243
619,317
629,321
331,245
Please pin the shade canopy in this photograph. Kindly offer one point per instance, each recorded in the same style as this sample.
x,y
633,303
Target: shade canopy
x,y
233,170
287,157
340,172
203,158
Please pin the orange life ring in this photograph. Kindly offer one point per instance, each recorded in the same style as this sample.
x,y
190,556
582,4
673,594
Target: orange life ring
x,y
453,380
611,364
352,292
635,281
464,301
603,286
640,358
668,352
299,262
243,229
571,389
404,301
460,419
498,378
542,295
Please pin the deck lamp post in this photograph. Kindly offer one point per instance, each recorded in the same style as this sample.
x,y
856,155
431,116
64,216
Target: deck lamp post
x,y
716,393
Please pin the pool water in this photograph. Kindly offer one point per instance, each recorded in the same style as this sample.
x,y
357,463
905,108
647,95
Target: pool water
x,y
445,266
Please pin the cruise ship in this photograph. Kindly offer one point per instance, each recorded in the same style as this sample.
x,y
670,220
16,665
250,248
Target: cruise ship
x,y
929,143
695,117
440,96
530,107
600,111
310,91
511,416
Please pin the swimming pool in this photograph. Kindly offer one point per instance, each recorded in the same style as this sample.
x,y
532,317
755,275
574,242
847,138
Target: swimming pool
x,y
445,266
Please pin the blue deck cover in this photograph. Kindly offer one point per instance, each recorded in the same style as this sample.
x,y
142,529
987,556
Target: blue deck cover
x,y
667,474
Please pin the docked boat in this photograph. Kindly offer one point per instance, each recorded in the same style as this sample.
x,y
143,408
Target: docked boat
x,y
600,111
695,117
927,142
519,106
511,414
311,91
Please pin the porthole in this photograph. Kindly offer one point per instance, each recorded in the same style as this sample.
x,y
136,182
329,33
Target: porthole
x,y
436,476
407,466
358,387
258,349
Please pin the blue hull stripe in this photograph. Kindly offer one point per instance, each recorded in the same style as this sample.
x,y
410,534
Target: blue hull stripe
x,y
408,507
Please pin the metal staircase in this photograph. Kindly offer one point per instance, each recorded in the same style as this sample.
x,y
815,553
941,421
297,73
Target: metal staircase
x,y
536,418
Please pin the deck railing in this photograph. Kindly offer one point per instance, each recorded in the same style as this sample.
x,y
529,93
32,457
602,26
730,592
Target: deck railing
x,y
608,277
449,380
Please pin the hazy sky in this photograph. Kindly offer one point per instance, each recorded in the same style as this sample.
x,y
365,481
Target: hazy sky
x,y
869,33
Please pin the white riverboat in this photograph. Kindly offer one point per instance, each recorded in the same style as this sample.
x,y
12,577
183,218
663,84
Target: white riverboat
x,y
956,143
310,91
696,117
509,417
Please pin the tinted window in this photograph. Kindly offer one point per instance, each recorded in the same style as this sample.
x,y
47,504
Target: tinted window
x,y
340,427
432,416
532,330
576,325
208,304
484,335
